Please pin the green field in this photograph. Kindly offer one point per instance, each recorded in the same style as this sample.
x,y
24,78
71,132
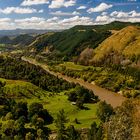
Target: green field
x,y
71,65
53,102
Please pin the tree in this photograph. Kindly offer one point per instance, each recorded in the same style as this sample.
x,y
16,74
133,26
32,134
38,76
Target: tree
x,y
92,132
72,134
41,135
60,121
8,129
29,136
37,109
99,134
20,109
104,111
121,125
19,126
80,102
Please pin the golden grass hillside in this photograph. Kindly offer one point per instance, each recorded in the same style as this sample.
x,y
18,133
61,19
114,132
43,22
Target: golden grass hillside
x,y
126,42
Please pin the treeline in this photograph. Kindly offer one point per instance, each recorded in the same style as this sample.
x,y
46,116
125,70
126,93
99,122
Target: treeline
x,y
17,69
115,78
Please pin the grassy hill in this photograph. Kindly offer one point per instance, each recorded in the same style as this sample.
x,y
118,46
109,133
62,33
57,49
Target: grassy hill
x,y
18,89
122,45
72,42
53,102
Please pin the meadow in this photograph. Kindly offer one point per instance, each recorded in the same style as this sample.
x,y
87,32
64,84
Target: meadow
x,y
53,102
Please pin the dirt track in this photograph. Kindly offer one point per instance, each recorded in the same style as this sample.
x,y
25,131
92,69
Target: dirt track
x,y
105,95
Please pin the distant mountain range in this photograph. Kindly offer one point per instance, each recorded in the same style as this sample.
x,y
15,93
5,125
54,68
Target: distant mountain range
x,y
23,31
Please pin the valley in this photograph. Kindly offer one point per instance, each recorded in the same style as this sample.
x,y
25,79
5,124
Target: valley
x,y
81,83
105,95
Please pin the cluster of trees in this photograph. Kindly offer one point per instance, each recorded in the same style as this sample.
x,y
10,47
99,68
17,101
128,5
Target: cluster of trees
x,y
70,133
11,68
16,115
114,78
80,95
119,122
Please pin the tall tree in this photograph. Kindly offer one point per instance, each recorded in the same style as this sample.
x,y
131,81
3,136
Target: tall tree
x,y
60,125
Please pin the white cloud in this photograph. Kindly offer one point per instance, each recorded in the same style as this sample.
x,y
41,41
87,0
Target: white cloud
x,y
62,3
132,0
60,13
52,23
104,19
19,10
6,24
81,7
100,8
121,14
76,20
34,2
131,16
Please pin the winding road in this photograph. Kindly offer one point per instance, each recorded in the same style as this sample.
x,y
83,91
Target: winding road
x,y
105,95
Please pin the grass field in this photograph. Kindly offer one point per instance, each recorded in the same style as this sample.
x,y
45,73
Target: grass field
x,y
53,102
72,66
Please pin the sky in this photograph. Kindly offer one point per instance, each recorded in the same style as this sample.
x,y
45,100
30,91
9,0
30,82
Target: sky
x,y
64,14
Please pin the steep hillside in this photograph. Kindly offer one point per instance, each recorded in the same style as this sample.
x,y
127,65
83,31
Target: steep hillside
x,y
72,42
121,47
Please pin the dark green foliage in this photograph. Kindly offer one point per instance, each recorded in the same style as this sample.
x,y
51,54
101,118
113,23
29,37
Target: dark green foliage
x,y
20,109
71,42
60,125
72,133
22,40
104,111
81,95
95,133
37,114
17,69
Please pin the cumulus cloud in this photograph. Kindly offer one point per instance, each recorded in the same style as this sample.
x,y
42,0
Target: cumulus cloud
x,y
19,10
81,7
104,19
100,8
121,14
6,24
34,2
62,3
60,13
131,16
42,23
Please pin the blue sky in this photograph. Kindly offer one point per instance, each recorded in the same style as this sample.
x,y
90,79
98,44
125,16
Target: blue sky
x,y
63,14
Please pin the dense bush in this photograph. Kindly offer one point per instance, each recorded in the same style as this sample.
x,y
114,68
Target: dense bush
x,y
17,69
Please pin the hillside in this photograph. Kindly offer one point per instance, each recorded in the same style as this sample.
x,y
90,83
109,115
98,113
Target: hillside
x,y
70,43
21,40
121,47
18,89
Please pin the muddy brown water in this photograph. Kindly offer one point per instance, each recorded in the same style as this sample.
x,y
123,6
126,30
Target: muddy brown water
x,y
110,97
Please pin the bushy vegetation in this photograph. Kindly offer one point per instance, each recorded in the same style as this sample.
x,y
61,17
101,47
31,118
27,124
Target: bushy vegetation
x,y
115,77
80,95
17,69
15,115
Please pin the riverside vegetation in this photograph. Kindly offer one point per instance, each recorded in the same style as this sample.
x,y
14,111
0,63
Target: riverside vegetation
x,y
37,105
